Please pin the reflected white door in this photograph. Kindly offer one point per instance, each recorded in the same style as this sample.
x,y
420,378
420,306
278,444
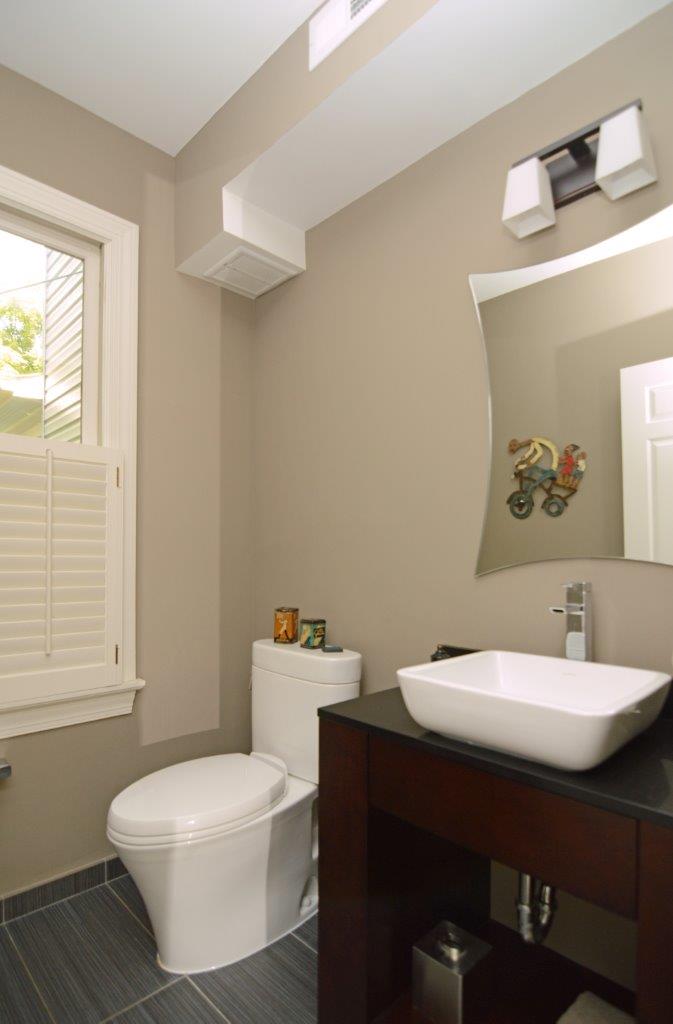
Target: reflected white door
x,y
647,460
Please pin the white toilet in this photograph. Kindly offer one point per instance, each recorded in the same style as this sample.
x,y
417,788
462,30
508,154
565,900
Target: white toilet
x,y
224,849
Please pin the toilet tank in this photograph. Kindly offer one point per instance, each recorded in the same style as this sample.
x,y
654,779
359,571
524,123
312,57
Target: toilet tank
x,y
289,684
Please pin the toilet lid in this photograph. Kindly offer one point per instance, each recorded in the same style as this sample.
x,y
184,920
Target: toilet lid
x,y
197,795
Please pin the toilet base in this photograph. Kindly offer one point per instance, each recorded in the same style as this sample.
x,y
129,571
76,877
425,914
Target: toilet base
x,y
228,963
217,900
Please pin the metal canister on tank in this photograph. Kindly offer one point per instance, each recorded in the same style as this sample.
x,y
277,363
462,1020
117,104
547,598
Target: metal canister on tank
x,y
312,633
285,624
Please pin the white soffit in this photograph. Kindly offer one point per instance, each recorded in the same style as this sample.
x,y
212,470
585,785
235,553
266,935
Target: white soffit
x,y
159,69
253,253
460,62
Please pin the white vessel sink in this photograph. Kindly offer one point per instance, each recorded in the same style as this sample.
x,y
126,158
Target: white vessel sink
x,y
568,714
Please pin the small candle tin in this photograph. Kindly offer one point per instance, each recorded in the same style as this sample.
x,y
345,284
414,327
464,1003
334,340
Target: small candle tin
x,y
285,623
312,633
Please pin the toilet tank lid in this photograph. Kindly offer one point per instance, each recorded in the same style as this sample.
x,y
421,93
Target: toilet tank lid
x,y
311,666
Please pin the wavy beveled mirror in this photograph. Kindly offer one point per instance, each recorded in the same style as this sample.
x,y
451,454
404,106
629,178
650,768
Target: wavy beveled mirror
x,y
579,353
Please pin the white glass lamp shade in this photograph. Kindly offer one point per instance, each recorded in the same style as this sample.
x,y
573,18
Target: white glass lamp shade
x,y
625,160
529,204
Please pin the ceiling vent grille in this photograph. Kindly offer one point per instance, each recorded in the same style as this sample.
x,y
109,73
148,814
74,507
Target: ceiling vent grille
x,y
335,22
357,6
247,272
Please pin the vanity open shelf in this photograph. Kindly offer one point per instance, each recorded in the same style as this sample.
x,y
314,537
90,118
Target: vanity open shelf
x,y
534,985
409,824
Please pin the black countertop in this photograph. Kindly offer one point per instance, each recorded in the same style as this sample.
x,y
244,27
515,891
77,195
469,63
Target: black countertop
x,y
636,782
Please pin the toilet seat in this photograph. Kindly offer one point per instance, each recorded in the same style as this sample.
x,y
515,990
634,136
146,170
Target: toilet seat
x,y
197,798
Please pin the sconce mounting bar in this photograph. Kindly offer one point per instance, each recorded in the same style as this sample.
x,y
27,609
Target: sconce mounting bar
x,y
572,174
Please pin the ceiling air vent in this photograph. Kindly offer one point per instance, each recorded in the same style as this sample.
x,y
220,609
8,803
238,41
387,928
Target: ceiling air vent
x,y
334,23
357,6
244,271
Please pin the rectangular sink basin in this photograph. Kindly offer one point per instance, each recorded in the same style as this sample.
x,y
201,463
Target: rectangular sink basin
x,y
569,714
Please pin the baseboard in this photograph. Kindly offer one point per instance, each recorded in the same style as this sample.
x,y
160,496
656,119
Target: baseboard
x,y
43,895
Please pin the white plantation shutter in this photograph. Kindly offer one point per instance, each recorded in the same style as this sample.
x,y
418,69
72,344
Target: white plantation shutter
x,y
60,568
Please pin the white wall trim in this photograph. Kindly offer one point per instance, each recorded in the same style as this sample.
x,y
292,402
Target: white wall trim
x,y
70,709
119,240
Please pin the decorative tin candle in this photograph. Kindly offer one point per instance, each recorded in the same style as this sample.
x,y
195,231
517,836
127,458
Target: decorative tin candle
x,y
312,633
285,625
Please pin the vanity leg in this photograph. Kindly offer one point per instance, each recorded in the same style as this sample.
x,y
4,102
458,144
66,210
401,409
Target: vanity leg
x,y
655,925
342,920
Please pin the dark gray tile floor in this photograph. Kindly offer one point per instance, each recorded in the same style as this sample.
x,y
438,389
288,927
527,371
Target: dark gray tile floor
x,y
275,986
91,958
308,933
126,890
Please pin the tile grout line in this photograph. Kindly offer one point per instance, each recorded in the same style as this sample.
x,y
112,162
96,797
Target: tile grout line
x,y
138,1002
293,935
107,865
54,903
129,911
31,978
61,878
206,999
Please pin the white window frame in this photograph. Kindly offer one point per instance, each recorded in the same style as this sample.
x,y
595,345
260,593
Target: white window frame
x,y
117,427
91,256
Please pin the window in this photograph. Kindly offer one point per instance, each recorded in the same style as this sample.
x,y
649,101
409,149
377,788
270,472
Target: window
x,y
68,352
49,312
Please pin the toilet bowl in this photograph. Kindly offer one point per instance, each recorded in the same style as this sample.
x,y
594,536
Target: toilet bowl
x,y
224,849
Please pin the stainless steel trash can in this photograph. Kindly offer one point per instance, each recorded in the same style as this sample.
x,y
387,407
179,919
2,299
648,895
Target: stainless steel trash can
x,y
452,973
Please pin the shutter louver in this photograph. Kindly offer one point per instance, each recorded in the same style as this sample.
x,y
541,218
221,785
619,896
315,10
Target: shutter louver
x,y
60,567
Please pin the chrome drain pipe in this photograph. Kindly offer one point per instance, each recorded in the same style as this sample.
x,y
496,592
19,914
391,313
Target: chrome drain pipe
x,y
535,907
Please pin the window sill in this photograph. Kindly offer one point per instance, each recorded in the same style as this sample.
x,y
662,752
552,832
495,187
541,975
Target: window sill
x,y
68,709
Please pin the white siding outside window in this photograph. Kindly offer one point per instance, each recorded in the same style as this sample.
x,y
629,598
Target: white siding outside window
x,y
67,292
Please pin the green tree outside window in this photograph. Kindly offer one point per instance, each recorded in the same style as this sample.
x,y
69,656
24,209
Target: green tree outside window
x,y
19,330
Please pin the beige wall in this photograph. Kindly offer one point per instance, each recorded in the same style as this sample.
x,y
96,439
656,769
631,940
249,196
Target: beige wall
x,y
369,370
193,390
554,353
236,517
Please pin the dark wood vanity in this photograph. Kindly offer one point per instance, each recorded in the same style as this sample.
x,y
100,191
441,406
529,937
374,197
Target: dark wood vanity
x,y
409,822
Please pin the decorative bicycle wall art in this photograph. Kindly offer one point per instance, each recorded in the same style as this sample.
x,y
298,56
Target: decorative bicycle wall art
x,y
543,467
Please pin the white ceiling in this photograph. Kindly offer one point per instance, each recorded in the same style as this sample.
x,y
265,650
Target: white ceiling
x,y
158,68
460,62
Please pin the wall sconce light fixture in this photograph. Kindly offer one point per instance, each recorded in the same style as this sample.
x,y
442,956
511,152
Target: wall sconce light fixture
x,y
612,154
529,203
625,160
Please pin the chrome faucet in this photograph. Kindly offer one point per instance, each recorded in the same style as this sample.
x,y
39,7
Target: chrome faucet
x,y
579,627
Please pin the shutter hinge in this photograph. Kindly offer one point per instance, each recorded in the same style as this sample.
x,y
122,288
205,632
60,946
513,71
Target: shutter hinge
x,y
119,476
116,654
